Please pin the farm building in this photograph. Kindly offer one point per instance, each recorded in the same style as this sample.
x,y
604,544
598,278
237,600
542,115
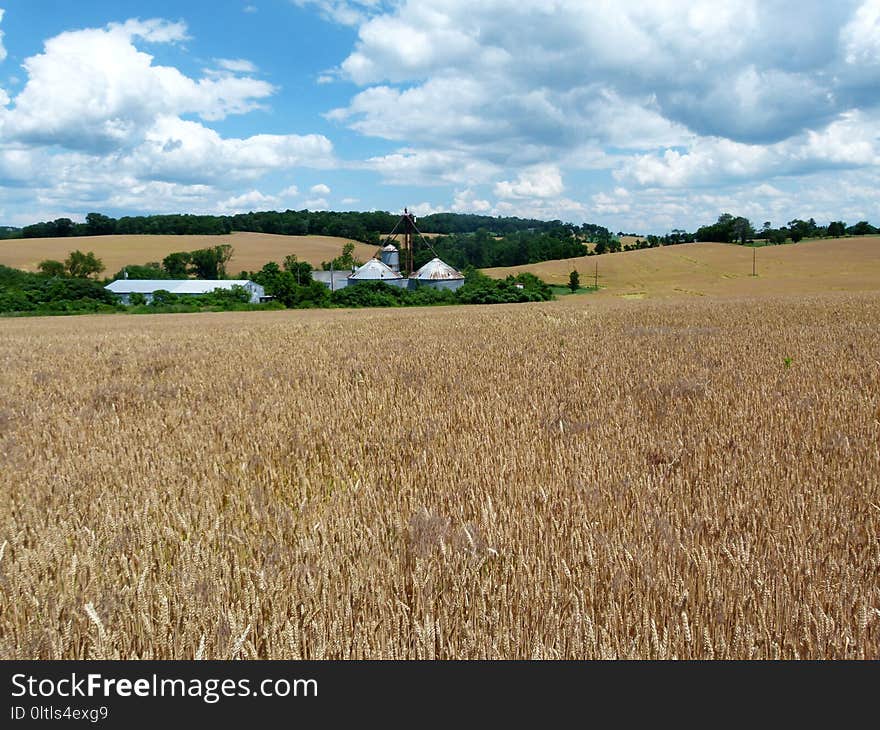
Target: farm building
x,y
437,274
333,280
124,288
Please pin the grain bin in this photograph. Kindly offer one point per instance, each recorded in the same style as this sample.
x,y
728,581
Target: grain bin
x,y
375,270
391,257
437,274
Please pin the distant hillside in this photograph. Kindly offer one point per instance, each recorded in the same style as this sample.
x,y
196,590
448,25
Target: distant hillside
x,y
700,269
251,250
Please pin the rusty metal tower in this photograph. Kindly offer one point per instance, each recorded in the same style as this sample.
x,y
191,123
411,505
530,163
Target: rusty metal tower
x,y
408,221
406,228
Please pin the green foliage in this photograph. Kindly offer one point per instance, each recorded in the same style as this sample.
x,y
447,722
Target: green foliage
x,y
224,298
301,270
147,271
163,297
483,249
370,294
24,292
78,265
81,265
99,225
513,289
727,229
50,267
574,280
478,289
293,287
137,299
205,263
346,260
176,264
862,228
837,228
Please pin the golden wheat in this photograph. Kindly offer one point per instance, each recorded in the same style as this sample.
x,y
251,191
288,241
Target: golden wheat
x,y
586,478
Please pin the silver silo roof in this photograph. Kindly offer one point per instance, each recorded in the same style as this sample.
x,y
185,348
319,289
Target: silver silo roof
x,y
436,269
375,270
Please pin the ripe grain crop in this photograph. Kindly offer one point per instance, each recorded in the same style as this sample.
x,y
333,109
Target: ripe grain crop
x,y
250,251
578,479
722,269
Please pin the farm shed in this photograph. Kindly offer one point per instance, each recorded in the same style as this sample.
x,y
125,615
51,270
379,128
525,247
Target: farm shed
x,y
437,274
333,280
124,288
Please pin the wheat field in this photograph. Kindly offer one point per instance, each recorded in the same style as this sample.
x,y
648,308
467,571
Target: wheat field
x,y
250,250
588,478
722,269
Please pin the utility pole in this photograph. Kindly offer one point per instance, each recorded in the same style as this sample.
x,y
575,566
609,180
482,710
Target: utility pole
x,y
754,260
596,278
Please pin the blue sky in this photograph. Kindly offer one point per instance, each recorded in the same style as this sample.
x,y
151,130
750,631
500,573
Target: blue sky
x,y
643,117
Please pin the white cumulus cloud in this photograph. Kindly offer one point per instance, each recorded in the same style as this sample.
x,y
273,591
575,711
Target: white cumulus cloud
x,y
541,181
93,89
99,125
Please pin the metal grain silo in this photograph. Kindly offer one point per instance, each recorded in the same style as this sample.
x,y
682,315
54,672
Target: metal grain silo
x,y
391,257
375,270
437,274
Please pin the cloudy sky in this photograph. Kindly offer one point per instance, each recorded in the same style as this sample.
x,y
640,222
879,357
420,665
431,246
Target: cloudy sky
x,y
639,116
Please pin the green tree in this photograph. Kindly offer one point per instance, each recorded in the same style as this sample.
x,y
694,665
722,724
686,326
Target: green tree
x,y
83,265
163,297
862,228
346,260
204,264
741,230
836,228
301,270
99,225
574,280
175,264
148,271
223,252
49,267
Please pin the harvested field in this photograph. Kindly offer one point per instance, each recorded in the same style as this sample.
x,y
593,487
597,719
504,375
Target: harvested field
x,y
593,477
250,250
713,269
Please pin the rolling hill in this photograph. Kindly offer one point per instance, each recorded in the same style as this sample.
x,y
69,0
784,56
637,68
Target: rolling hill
x,y
251,250
700,269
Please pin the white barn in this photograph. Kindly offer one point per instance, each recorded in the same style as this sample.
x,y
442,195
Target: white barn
x,y
124,288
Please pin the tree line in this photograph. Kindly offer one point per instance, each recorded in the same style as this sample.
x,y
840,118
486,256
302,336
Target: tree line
x,y
368,227
738,229
518,238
